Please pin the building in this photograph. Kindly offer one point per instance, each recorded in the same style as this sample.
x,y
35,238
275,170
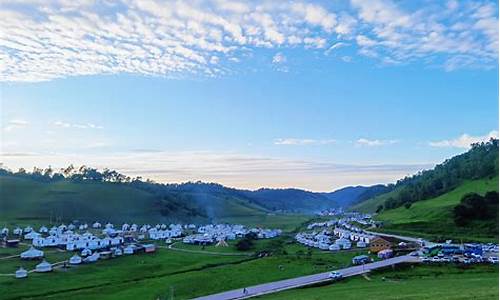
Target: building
x,y
385,254
32,253
378,244
21,273
43,267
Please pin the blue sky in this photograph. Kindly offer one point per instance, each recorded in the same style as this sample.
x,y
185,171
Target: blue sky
x,y
312,95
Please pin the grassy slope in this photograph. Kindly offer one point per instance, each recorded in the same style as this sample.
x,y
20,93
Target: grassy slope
x,y
434,216
28,201
423,282
370,205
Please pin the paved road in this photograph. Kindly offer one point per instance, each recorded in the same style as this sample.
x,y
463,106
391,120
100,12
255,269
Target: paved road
x,y
276,286
403,238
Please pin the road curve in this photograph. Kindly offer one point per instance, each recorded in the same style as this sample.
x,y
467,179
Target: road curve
x,y
272,287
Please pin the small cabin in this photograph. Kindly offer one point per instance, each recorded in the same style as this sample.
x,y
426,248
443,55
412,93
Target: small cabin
x,y
378,244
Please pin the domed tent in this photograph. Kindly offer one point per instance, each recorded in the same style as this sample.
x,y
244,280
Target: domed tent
x,y
361,244
21,273
5,231
75,260
32,253
43,267
117,252
92,258
128,250
32,235
43,229
86,252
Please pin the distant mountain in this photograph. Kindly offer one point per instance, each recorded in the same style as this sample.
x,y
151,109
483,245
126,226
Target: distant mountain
x,y
351,195
294,200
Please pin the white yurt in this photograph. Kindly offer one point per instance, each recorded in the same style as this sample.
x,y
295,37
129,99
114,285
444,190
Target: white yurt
x,y
128,250
96,225
5,231
92,258
28,229
43,229
109,225
334,247
361,244
117,252
86,252
32,253
75,260
18,231
42,267
32,235
71,227
21,273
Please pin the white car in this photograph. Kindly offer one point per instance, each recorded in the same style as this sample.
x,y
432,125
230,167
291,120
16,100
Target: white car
x,y
335,275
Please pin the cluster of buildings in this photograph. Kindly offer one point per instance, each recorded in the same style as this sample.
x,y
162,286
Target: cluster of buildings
x,y
213,233
469,253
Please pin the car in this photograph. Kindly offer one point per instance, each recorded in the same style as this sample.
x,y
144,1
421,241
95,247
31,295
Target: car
x,y
426,260
335,275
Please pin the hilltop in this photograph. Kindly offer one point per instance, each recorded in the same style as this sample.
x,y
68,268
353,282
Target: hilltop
x,y
426,204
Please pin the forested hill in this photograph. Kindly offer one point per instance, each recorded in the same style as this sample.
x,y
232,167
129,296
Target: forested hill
x,y
481,161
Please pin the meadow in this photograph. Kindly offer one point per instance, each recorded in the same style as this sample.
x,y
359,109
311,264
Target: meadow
x,y
408,283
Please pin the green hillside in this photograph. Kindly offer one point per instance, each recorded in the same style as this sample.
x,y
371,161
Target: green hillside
x,y
27,200
434,217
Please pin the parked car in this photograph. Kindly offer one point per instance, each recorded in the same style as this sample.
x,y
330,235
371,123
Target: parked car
x,y
335,275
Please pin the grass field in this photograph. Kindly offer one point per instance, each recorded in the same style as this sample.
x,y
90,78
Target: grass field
x,y
148,276
409,283
433,218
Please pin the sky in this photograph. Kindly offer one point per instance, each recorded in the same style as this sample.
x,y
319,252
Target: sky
x,y
309,94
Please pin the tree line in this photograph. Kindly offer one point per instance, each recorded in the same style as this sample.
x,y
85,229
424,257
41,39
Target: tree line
x,y
481,161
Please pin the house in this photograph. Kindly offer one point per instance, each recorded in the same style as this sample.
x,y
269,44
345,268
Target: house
x,y
32,253
21,273
377,244
12,243
384,254
43,267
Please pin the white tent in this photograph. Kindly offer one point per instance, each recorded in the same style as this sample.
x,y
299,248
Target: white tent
x,y
361,244
18,231
92,258
5,231
128,250
32,235
21,273
43,229
31,253
118,252
86,252
75,260
42,267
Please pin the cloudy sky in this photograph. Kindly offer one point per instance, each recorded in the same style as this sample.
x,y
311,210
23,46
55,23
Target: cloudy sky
x,y
308,94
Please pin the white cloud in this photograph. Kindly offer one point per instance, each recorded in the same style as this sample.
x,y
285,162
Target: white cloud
x,y
302,142
279,58
15,124
76,125
451,34
374,143
182,38
465,140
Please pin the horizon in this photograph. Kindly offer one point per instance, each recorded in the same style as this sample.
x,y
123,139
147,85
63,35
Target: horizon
x,y
309,95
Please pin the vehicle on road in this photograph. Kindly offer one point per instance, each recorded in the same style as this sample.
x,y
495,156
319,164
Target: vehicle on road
x,y
335,275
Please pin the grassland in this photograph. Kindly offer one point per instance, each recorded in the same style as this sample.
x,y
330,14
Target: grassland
x,y
149,276
408,283
433,218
